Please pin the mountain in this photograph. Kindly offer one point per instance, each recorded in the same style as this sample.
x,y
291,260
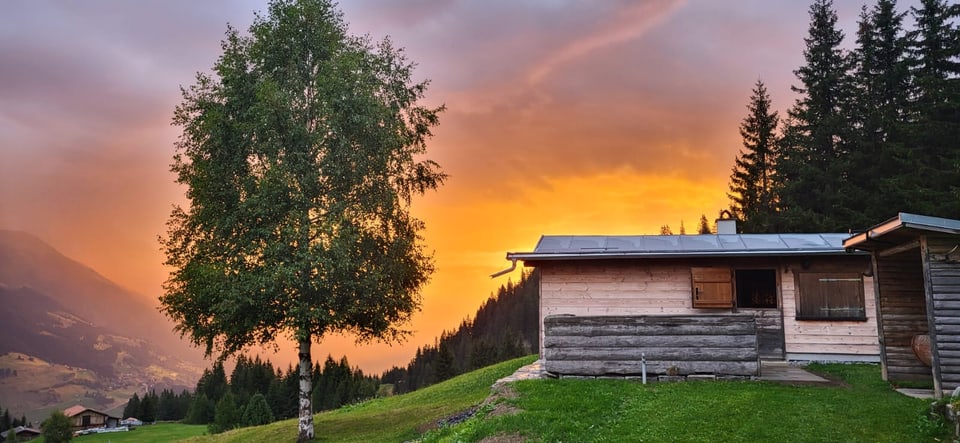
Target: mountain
x,y
103,341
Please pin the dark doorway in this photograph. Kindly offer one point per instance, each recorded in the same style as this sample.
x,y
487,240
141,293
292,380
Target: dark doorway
x,y
756,288
756,292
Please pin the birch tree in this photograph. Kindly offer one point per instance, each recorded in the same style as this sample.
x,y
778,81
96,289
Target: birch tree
x,y
300,154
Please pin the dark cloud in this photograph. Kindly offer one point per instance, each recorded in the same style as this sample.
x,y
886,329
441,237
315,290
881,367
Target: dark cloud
x,y
543,96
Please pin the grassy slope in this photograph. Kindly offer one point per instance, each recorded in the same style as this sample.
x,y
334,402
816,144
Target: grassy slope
x,y
868,410
392,419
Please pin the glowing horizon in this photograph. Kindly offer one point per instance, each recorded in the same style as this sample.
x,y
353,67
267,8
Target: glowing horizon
x,y
563,118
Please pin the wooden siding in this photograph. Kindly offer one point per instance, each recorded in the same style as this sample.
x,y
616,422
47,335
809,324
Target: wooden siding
x,y
825,338
664,287
943,280
674,345
903,313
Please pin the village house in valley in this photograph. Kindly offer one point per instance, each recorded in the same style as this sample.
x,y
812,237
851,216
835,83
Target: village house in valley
x,y
701,304
82,417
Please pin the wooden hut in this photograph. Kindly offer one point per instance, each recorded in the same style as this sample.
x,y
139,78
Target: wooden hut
x,y
694,304
82,417
916,265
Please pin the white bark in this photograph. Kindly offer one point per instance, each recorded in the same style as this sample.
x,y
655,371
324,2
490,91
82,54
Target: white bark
x,y
305,424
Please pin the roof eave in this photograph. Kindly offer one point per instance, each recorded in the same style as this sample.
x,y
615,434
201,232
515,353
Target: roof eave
x,y
533,256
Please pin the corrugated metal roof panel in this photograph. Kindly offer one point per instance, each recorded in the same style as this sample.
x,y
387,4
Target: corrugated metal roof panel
x,y
636,246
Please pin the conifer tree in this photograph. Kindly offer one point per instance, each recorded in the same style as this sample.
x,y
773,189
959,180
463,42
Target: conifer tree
x,y
935,110
812,164
751,183
704,226
133,407
877,154
257,412
226,415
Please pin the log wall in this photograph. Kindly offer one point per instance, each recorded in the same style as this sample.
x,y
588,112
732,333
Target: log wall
x,y
672,345
943,279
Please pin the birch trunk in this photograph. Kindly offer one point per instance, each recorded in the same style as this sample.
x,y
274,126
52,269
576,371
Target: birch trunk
x,y
306,411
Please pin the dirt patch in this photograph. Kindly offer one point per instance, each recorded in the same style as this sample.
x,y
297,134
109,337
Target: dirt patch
x,y
496,404
503,409
501,391
503,438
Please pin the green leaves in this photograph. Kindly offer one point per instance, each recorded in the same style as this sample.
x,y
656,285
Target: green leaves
x,y
301,158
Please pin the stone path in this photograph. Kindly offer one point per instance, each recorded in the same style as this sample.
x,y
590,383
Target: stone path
x,y
917,393
781,371
532,371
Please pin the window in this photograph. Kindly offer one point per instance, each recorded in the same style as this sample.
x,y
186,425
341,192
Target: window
x,y
712,288
756,288
830,296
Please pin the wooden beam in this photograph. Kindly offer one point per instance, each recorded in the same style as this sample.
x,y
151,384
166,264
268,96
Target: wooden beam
x,y
903,247
931,318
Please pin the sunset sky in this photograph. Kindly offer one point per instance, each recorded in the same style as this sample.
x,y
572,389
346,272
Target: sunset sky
x,y
564,117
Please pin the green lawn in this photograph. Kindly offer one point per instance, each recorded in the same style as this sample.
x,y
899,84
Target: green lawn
x,y
158,433
865,410
392,419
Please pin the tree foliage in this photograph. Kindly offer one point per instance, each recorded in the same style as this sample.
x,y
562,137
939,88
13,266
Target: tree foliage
x,y
752,196
813,149
506,326
257,412
57,428
874,130
226,416
301,157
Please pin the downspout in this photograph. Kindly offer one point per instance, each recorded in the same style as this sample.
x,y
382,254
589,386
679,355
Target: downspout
x,y
505,271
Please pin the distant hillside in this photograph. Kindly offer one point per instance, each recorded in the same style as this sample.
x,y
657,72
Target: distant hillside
x,y
506,326
65,314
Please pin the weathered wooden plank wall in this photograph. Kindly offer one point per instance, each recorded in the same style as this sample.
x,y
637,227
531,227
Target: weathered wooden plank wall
x,y
944,281
674,345
663,287
903,313
806,337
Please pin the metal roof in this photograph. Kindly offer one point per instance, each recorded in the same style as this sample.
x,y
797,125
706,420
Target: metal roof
x,y
901,228
572,247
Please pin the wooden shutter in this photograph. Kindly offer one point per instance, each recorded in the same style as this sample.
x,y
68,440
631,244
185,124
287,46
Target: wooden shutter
x,y
830,296
712,288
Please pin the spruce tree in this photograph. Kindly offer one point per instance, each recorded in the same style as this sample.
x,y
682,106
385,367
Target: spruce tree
x,y
878,113
813,163
704,226
257,412
934,182
751,183
133,407
226,415
201,410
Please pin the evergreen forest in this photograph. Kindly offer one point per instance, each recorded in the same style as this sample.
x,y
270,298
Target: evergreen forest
x,y
874,129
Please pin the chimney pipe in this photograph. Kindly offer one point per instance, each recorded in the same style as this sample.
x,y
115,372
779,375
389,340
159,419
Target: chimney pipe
x,y
726,224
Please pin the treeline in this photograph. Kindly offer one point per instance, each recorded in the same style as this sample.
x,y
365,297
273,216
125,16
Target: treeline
x,y
256,393
874,131
506,326
7,421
